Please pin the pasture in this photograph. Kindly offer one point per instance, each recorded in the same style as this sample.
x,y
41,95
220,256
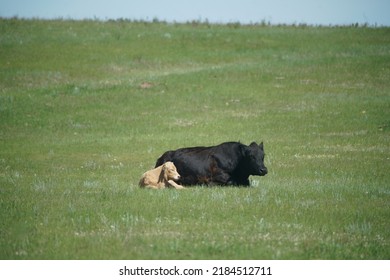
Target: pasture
x,y
87,106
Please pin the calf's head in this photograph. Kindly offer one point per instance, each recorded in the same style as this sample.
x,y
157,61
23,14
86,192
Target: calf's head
x,y
170,172
254,156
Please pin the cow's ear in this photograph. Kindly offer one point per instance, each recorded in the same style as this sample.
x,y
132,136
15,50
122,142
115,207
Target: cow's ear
x,y
253,144
261,146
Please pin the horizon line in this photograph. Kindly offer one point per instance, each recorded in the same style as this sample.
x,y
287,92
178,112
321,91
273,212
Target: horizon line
x,y
199,21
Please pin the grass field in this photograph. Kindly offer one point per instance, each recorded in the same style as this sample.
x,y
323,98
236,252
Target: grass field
x,y
87,106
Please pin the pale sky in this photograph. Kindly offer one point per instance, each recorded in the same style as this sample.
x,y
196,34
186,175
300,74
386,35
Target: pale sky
x,y
313,12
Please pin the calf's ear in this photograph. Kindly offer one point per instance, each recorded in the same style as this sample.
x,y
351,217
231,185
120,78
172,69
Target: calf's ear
x,y
261,146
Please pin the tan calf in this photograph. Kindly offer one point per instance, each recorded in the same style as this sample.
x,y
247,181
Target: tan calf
x,y
163,176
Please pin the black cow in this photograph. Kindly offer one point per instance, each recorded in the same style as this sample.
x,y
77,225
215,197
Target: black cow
x,y
229,163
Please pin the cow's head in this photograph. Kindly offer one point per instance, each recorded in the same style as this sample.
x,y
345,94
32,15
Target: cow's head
x,y
170,172
254,155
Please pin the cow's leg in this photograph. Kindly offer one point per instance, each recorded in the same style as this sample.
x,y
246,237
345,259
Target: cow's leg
x,y
221,178
217,175
239,182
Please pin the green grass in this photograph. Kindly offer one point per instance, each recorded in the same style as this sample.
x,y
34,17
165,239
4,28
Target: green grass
x,y
77,130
